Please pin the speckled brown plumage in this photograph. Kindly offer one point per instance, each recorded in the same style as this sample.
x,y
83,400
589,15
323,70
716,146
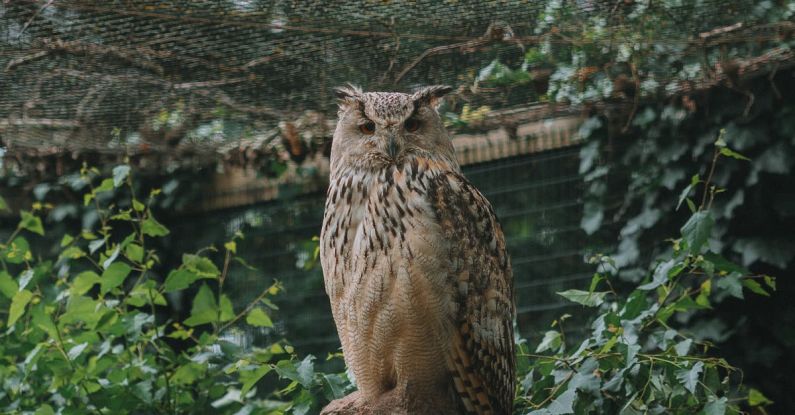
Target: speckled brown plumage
x,y
415,265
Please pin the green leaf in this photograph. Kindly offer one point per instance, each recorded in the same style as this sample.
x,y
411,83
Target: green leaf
x,y
44,410
138,206
134,252
114,276
66,240
95,244
17,251
726,151
257,317
306,371
691,206
120,173
205,309
25,277
200,265
179,279
756,398
227,311
8,286
83,282
152,227
755,287
696,231
250,377
716,406
143,293
333,386
689,377
551,341
3,205
770,282
731,283
81,308
72,252
105,186
683,347
188,374
686,191
30,222
44,322
584,297
18,303
563,404
661,274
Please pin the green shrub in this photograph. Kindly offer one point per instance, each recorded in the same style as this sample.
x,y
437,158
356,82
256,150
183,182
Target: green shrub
x,y
635,360
90,328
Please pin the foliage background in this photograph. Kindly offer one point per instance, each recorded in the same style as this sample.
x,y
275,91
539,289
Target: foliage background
x,y
656,81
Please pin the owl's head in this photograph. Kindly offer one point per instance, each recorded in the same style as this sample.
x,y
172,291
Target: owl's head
x,y
377,130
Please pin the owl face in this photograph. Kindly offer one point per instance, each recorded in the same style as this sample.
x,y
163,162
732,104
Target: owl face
x,y
377,130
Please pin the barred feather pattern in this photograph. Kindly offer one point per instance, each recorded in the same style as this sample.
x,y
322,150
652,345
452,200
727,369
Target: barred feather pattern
x,y
418,277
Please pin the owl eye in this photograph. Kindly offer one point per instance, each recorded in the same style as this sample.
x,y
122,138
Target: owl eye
x,y
367,128
411,125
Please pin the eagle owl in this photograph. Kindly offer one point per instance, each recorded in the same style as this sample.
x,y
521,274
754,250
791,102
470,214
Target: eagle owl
x,y
414,264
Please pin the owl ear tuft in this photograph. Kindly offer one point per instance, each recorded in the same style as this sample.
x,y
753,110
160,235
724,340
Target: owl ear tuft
x,y
348,94
431,95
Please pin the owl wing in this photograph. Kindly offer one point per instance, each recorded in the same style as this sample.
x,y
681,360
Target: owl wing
x,y
481,356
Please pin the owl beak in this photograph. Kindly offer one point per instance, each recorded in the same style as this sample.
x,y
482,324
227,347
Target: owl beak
x,y
392,147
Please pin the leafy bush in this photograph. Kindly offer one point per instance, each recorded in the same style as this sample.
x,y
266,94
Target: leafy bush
x,y
89,328
635,360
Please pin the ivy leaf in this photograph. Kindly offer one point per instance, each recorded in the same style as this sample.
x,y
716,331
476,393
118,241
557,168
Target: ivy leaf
x,y
205,309
696,231
716,406
306,371
258,318
333,386
563,404
689,377
660,276
120,173
683,347
585,298
152,227
114,276
731,283
18,303
30,222
551,341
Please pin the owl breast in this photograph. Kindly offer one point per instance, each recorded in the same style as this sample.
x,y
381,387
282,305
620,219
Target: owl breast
x,y
387,274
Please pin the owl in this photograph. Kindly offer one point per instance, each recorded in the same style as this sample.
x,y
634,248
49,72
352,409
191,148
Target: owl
x,y
414,264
